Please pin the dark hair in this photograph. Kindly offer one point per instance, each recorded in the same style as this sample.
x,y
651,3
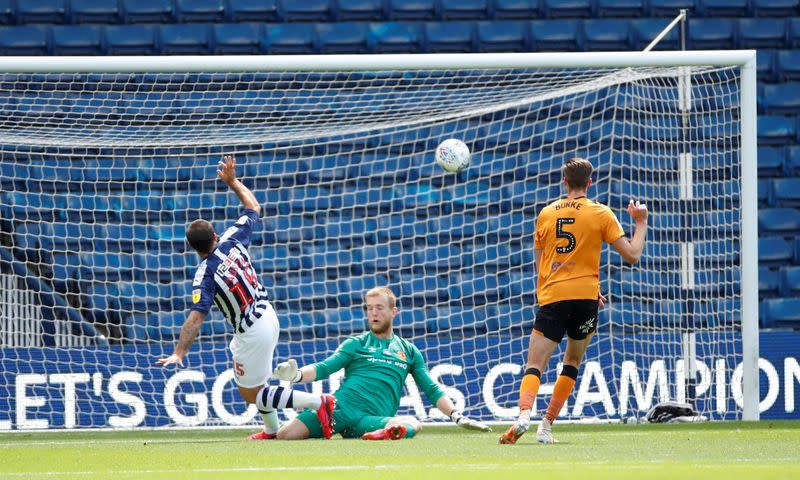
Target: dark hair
x,y
577,172
200,236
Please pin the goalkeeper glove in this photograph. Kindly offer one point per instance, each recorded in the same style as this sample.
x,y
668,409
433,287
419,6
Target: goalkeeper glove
x,y
468,423
288,371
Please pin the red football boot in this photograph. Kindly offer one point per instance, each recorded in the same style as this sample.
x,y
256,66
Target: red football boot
x,y
262,435
392,432
325,415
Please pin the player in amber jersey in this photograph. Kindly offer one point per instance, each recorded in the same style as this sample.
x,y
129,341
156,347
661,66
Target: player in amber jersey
x,y
569,237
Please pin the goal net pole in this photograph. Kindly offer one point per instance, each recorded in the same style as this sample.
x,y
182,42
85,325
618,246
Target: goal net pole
x,y
290,63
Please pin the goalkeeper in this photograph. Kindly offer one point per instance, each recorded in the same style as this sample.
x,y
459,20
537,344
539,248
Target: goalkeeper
x,y
376,364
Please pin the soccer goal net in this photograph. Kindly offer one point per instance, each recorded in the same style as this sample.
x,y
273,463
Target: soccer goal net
x,y
105,162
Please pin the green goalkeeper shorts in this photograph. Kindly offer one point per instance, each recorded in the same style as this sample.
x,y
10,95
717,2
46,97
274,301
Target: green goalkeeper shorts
x,y
349,422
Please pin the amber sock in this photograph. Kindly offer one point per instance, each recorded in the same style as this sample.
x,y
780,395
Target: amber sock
x,y
561,391
529,388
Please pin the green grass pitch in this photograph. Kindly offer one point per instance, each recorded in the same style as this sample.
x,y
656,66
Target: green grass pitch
x,y
727,450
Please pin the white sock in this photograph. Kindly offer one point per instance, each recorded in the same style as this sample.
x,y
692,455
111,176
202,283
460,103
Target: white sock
x,y
271,424
276,397
524,416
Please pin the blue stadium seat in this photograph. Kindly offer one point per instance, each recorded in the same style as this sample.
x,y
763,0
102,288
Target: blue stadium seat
x,y
185,39
516,9
765,195
253,10
792,165
724,8
769,282
781,312
782,98
77,40
620,8
24,40
606,35
646,284
789,281
187,11
716,252
567,8
771,161
464,9
305,11
94,11
412,9
342,37
147,11
290,38
130,40
503,36
102,266
555,36
711,33
7,12
776,8
785,192
441,37
359,10
382,257
665,254
775,130
644,30
774,251
787,65
762,33
475,289
670,8
439,258
793,32
237,39
766,69
396,37
42,11
520,285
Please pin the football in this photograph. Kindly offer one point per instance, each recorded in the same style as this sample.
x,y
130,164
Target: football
x,y
453,155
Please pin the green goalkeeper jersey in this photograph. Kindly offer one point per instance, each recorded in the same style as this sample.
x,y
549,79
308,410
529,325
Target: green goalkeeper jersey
x,y
375,372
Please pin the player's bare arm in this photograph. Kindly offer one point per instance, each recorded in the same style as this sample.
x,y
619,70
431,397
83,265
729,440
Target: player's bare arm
x,y
631,250
189,331
227,173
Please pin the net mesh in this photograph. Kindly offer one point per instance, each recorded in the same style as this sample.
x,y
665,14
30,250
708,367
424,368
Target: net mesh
x,y
101,173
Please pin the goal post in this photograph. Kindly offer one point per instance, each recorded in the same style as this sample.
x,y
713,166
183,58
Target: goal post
x,y
106,160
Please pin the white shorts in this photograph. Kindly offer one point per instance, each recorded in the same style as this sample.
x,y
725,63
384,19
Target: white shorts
x,y
252,350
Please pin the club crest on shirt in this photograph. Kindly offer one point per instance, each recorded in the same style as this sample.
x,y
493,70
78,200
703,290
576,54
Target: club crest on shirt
x,y
196,295
401,355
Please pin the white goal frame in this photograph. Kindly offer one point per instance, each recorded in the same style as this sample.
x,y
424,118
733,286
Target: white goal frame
x,y
744,59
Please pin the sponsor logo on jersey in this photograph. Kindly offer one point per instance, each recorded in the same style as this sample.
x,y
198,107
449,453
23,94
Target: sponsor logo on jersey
x,y
196,295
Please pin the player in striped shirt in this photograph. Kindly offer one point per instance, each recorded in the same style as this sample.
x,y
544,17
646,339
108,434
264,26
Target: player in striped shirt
x,y
226,277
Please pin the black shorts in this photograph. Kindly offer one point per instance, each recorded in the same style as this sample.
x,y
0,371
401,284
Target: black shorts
x,y
578,318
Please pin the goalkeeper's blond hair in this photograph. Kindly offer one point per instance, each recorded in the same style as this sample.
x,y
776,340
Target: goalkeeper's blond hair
x,y
382,292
